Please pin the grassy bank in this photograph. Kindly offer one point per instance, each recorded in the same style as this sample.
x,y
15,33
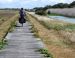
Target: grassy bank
x,y
6,26
57,25
53,14
58,37
65,31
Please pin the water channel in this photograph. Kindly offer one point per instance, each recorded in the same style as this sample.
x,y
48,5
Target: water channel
x,y
63,18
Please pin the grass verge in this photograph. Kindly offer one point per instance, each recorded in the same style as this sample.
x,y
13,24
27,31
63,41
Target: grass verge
x,y
36,32
58,26
56,40
53,14
5,27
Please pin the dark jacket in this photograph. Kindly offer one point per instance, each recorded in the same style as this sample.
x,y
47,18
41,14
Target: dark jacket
x,y
22,14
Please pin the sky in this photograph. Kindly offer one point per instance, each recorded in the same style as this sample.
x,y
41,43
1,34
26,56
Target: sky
x,y
30,3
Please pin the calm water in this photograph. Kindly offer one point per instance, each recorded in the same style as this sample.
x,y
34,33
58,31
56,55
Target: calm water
x,y
66,19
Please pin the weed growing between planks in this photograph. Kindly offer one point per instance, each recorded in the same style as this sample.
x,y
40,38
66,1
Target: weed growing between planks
x,y
45,52
3,43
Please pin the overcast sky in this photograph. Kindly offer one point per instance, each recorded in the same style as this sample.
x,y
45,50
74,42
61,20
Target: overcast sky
x,y
30,3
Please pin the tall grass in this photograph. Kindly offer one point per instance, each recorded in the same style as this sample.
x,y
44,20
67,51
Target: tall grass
x,y
58,26
57,42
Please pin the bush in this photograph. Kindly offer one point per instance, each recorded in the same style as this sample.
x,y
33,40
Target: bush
x,y
40,12
49,12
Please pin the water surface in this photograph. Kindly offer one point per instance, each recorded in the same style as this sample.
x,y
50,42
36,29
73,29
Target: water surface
x,y
66,19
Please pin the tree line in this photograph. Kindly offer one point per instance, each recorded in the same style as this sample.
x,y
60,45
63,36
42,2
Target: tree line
x,y
40,10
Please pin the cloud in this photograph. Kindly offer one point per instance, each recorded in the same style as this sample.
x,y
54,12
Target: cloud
x,y
6,1
30,3
58,1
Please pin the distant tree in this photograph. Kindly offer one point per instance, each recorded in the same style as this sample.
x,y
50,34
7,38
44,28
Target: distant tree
x,y
72,4
65,5
40,10
60,5
47,7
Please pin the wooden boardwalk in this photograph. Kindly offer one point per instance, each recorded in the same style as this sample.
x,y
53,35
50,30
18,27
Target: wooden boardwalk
x,y
22,44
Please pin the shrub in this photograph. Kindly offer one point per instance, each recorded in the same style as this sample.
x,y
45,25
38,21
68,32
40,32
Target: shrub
x,y
40,12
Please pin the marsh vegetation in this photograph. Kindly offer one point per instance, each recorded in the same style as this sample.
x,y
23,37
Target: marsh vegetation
x,y
58,36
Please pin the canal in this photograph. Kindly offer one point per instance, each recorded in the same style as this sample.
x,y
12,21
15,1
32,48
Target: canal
x,y
63,18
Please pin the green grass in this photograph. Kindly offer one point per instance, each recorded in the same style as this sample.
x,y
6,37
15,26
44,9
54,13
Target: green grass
x,y
53,14
70,27
2,44
45,52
